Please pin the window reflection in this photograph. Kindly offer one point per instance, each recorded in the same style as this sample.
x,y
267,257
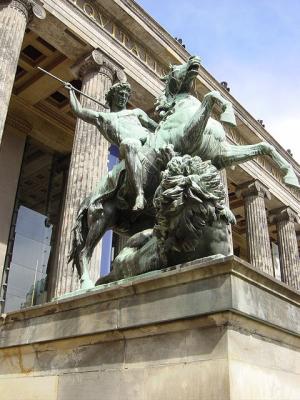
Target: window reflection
x,y
28,268
30,261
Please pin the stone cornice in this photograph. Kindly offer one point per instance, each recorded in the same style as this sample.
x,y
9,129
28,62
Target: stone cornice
x,y
107,22
253,188
156,28
228,277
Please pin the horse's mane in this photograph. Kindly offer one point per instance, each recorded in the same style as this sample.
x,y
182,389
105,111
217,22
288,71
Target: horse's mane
x,y
190,196
173,86
165,101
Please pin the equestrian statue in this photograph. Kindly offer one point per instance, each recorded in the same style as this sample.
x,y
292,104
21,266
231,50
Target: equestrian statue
x,y
123,200
190,209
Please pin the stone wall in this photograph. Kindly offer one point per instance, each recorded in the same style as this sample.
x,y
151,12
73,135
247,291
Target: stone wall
x,y
215,329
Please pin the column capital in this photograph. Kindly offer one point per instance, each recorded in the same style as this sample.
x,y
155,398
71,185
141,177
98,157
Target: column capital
x,y
23,6
284,214
28,8
253,188
97,61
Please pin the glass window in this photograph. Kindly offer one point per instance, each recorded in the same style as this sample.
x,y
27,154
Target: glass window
x,y
107,240
29,261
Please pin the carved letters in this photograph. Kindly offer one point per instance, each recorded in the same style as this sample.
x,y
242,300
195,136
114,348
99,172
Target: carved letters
x,y
93,11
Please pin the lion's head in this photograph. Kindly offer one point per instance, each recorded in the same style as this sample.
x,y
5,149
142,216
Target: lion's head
x,y
190,196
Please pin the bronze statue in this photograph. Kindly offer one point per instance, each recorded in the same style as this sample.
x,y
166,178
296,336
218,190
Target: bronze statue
x,y
190,218
185,127
127,129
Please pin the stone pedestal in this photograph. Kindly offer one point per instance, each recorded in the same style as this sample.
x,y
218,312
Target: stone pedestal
x,y
88,165
14,16
257,234
285,219
204,330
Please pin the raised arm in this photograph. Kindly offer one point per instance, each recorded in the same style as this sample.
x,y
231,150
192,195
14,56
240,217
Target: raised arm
x,y
146,121
85,114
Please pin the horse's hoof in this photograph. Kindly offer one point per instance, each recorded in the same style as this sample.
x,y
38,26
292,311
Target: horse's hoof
x,y
290,179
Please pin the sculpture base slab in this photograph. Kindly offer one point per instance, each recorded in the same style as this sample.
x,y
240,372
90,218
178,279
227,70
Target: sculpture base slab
x,y
212,330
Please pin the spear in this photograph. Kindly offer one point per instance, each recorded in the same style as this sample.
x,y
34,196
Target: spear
x,y
75,90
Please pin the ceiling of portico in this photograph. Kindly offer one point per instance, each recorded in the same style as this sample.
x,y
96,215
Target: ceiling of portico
x,y
42,103
40,100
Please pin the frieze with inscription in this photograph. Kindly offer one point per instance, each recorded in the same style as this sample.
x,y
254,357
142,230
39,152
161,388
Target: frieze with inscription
x,y
97,15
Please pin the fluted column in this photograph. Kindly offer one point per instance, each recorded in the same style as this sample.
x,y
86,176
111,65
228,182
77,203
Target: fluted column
x,y
285,219
14,16
121,243
88,165
258,240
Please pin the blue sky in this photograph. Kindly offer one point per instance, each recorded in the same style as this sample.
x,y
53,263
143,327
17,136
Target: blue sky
x,y
254,45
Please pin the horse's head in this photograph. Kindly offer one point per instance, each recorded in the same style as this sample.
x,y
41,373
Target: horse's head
x,y
178,80
180,77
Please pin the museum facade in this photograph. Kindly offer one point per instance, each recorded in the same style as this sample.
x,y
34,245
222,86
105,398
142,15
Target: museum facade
x,y
49,161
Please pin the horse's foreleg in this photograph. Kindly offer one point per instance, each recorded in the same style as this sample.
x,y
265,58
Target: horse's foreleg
x,y
231,155
194,129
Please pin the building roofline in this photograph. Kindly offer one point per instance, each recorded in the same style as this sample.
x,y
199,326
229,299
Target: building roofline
x,y
183,54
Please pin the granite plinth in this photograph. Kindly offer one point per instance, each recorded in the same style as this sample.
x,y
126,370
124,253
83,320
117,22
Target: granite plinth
x,y
208,329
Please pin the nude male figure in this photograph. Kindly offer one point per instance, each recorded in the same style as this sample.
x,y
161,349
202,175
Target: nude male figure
x,y
127,129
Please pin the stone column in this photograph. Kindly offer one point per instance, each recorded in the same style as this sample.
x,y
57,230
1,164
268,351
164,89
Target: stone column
x,y
258,240
88,164
285,219
14,16
121,243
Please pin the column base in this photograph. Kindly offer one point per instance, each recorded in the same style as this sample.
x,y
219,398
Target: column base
x,y
212,330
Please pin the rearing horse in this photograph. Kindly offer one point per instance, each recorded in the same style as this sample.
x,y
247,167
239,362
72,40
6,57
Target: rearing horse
x,y
181,112
186,125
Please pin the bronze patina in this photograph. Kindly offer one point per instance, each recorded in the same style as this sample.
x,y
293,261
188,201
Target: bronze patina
x,y
123,200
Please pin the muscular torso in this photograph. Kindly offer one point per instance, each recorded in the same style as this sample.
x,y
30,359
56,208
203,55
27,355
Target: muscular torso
x,y
125,124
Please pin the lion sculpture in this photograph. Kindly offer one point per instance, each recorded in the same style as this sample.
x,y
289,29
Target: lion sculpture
x,y
190,218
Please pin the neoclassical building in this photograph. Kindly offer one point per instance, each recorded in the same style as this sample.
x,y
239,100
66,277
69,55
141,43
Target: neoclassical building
x,y
49,162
